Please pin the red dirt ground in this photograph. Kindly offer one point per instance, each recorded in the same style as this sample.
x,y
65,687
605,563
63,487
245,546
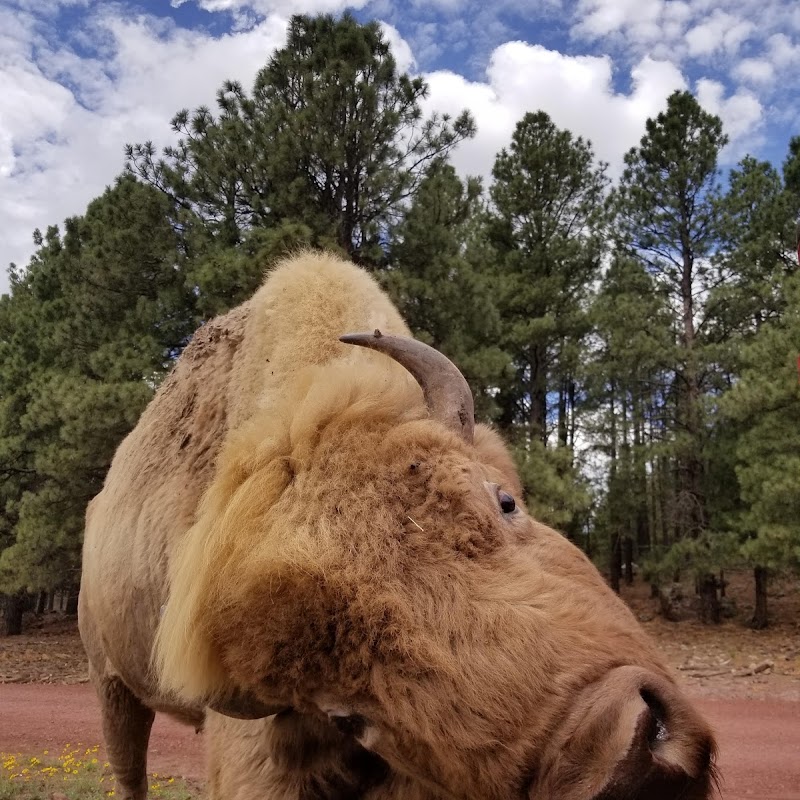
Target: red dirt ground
x,y
35,717
759,739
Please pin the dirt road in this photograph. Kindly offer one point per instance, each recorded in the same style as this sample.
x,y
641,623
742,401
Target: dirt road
x,y
759,739
759,744
36,717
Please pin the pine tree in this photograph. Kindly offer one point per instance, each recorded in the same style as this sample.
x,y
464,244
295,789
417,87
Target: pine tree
x,y
548,197
627,388
445,296
546,231
766,403
88,331
34,305
756,225
666,213
331,138
759,304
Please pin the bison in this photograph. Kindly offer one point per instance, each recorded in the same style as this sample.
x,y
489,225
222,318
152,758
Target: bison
x,y
307,546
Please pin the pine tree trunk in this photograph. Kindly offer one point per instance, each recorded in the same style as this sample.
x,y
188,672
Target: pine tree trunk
x,y
538,391
643,529
709,599
572,417
13,608
628,553
41,603
51,601
760,616
616,563
692,506
72,601
666,606
562,413
668,515
615,551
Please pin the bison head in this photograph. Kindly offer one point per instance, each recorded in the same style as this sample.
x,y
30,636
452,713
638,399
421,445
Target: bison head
x,y
364,557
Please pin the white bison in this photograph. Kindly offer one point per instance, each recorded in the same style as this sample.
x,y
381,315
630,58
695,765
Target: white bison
x,y
315,541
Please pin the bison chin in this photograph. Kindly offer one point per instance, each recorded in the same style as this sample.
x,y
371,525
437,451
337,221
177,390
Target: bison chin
x,y
630,736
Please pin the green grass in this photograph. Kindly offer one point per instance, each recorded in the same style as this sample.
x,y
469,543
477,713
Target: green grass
x,y
78,774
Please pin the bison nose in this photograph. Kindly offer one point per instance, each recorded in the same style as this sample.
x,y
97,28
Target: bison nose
x,y
666,749
632,736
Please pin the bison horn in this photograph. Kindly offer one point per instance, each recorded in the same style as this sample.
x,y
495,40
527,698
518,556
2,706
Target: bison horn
x,y
241,704
447,393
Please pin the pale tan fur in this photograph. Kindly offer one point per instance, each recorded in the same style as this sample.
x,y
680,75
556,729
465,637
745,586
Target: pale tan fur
x,y
350,553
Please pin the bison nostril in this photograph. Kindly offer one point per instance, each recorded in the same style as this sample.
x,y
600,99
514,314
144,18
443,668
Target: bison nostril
x,y
657,732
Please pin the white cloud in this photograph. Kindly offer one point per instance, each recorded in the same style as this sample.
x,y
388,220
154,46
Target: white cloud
x,y
65,117
683,30
60,146
740,113
754,70
782,51
779,57
400,48
578,94
426,41
721,31
599,18
576,91
280,7
42,7
448,6
673,22
27,120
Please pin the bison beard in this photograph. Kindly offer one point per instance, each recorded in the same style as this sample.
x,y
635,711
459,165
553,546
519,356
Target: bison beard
x,y
354,595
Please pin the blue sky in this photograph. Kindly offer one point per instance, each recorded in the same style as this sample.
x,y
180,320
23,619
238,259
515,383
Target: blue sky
x,y
80,78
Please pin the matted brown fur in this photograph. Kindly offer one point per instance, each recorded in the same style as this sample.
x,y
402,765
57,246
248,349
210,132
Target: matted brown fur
x,y
349,557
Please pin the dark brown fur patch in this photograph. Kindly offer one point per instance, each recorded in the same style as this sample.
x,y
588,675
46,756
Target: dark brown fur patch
x,y
328,764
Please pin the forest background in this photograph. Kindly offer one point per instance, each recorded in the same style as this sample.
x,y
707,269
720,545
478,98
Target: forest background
x,y
638,344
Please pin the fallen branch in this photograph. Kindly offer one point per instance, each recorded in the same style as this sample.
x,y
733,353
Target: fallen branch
x,y
707,674
755,669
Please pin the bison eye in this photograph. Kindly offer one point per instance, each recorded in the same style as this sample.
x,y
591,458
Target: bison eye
x,y
350,725
507,503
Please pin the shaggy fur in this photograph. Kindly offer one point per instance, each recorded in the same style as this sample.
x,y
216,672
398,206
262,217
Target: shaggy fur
x,y
287,520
